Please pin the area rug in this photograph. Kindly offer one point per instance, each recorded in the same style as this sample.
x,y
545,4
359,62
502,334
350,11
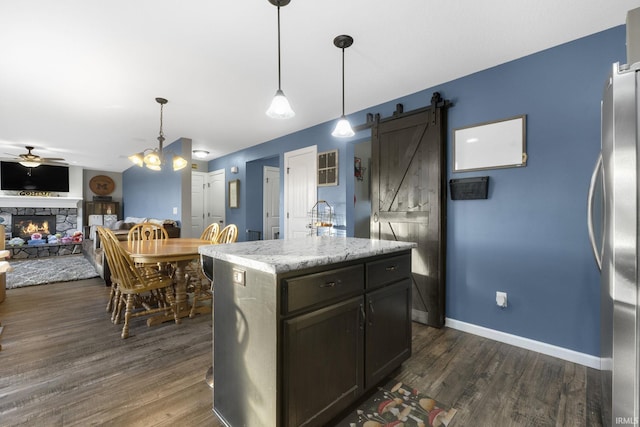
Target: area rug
x,y
41,271
399,405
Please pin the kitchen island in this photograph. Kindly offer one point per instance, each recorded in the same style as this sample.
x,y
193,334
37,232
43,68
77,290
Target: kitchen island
x,y
304,327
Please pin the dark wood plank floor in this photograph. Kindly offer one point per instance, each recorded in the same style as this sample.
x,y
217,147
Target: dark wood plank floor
x,y
64,364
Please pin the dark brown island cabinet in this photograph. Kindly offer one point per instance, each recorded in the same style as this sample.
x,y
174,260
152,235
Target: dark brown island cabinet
x,y
304,327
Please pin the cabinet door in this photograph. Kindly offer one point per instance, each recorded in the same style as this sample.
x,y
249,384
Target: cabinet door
x,y
323,363
388,330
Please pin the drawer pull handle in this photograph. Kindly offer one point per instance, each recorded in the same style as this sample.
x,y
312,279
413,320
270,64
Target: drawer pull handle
x,y
392,268
328,285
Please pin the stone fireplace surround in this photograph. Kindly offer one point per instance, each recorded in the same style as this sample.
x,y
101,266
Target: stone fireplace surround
x,y
66,224
66,218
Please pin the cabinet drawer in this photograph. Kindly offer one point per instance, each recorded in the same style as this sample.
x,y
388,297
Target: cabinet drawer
x,y
316,289
388,270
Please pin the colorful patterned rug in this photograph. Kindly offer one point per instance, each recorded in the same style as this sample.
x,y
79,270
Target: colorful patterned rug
x,y
399,405
40,271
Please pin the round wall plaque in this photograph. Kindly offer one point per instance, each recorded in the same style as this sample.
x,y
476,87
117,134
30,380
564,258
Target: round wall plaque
x,y
102,185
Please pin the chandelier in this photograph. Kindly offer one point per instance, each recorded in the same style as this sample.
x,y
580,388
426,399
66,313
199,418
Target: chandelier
x,y
155,158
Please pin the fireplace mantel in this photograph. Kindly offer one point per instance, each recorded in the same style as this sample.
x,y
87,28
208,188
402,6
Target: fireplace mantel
x,y
39,202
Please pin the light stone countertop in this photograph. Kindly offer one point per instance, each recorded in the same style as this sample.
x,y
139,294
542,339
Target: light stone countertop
x,y
283,255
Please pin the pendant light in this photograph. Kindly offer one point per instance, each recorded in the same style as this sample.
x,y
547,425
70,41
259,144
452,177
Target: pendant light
x,y
280,108
343,127
155,158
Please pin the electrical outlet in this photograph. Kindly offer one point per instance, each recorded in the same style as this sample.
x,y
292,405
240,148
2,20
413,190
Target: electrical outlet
x,y
501,299
175,211
239,277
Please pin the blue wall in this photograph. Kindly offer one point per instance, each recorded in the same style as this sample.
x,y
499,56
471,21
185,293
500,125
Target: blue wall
x,y
529,238
318,135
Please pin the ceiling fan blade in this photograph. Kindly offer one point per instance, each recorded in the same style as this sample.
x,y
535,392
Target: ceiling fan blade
x,y
30,157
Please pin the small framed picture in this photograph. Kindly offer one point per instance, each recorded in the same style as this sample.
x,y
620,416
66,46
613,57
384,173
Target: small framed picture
x,y
234,190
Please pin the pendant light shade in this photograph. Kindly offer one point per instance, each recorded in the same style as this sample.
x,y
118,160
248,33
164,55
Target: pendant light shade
x,y
280,107
343,127
154,158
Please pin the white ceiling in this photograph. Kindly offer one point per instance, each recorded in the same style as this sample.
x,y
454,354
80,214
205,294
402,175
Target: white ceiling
x,y
78,78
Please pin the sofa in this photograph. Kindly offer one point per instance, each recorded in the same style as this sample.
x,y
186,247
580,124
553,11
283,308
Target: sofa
x,y
121,228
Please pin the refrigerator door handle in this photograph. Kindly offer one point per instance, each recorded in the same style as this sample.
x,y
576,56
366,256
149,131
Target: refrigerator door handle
x,y
592,188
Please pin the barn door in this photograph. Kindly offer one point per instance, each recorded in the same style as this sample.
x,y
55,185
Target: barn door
x,y
408,198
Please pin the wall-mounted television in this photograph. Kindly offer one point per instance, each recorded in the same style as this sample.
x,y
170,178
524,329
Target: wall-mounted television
x,y
14,176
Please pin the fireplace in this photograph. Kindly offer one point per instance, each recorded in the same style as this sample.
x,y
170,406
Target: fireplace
x,y
63,221
24,226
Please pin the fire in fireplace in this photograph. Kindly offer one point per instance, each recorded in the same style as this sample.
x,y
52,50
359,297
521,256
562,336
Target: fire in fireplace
x,y
24,226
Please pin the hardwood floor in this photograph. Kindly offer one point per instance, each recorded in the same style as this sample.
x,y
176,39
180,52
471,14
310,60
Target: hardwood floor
x,y
64,364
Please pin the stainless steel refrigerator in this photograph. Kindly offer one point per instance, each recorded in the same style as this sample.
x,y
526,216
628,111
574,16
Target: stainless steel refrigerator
x,y
613,229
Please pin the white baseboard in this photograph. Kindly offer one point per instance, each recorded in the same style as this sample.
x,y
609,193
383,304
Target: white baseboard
x,y
526,343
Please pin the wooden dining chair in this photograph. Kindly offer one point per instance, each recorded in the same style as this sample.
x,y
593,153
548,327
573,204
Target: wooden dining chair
x,y
147,231
211,232
229,234
108,239
141,293
203,288
106,235
193,270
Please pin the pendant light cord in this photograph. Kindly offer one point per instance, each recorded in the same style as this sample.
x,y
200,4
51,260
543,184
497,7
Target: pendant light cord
x,y
342,82
279,77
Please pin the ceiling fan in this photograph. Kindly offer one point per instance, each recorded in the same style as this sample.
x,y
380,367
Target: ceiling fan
x,y
31,160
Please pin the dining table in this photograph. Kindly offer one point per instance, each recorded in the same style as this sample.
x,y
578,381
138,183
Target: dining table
x,y
177,251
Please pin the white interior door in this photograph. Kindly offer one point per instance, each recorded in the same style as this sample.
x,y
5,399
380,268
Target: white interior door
x,y
300,190
197,203
216,197
271,203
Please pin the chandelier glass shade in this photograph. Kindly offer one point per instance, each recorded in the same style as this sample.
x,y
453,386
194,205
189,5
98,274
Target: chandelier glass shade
x,y
156,158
